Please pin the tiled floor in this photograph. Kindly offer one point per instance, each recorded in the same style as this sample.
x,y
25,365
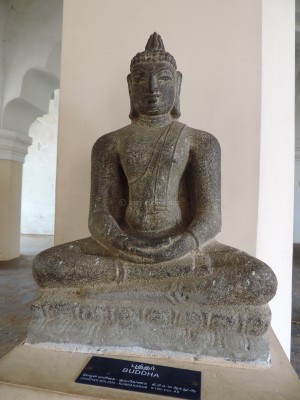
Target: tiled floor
x,y
18,290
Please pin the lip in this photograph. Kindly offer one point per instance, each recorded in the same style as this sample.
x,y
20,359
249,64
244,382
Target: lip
x,y
152,99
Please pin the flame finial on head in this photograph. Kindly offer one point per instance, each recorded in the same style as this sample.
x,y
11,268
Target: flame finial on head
x,y
155,43
154,52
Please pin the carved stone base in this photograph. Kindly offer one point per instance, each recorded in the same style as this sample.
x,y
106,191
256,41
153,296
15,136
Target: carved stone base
x,y
89,321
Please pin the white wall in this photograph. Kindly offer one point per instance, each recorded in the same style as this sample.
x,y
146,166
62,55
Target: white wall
x,y
297,168
297,194
39,175
276,191
297,130
2,25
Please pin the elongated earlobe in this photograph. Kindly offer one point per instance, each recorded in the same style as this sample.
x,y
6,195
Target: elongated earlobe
x,y
133,113
175,112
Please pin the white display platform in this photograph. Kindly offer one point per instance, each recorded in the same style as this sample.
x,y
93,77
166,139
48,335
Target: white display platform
x,y
30,373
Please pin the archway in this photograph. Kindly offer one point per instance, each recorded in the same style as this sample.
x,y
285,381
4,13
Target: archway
x,y
38,86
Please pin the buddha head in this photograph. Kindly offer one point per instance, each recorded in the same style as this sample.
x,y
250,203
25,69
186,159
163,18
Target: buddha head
x,y
154,83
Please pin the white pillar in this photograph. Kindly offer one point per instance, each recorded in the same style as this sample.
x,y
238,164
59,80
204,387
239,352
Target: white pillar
x,y
13,149
276,185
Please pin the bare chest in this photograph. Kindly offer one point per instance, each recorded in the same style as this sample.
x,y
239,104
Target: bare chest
x,y
157,153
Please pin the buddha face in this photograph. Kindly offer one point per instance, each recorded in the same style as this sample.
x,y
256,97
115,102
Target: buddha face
x,y
152,88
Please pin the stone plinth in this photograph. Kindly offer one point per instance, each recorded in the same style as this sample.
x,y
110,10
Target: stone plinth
x,y
113,323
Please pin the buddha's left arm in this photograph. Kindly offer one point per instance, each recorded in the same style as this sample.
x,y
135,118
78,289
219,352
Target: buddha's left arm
x,y
205,181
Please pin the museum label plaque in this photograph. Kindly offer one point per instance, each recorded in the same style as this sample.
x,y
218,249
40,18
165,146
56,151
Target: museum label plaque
x,y
141,377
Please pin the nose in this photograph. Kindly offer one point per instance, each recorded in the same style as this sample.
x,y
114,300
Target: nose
x,y
152,84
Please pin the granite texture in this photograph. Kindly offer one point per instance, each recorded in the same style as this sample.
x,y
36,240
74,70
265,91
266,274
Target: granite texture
x,y
150,325
151,277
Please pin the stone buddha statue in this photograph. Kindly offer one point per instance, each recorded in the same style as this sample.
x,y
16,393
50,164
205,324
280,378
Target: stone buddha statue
x,y
151,278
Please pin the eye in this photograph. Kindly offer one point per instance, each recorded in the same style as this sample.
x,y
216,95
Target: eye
x,y
139,76
165,76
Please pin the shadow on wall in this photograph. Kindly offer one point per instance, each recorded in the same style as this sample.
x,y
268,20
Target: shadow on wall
x,y
38,86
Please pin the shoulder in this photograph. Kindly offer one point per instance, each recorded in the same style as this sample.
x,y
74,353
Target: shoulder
x,y
109,141
202,137
199,138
